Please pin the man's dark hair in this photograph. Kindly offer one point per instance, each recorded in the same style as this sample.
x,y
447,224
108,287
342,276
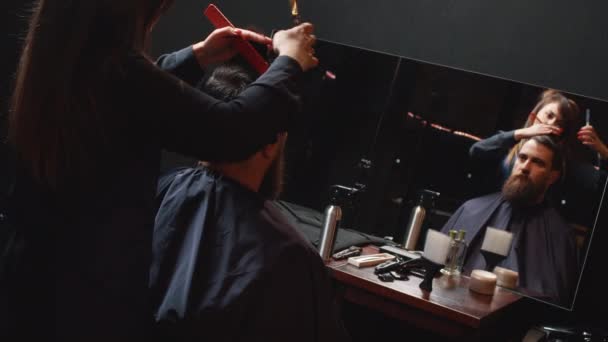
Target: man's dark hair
x,y
551,142
227,81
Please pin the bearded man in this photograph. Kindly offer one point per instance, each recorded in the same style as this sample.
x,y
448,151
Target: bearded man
x,y
543,250
227,265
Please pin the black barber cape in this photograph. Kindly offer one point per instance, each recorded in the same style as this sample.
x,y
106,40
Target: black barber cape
x,y
227,266
543,250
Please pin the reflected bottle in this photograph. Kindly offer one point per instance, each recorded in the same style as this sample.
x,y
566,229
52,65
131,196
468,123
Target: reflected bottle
x,y
457,251
462,250
414,226
451,259
426,198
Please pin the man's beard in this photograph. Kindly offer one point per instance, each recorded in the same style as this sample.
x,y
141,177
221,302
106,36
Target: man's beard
x,y
521,190
274,179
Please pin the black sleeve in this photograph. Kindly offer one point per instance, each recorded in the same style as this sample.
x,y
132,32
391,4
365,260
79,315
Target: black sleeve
x,y
494,147
182,64
183,119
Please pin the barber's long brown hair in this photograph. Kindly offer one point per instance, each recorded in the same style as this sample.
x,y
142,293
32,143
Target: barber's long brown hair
x,y
70,48
570,114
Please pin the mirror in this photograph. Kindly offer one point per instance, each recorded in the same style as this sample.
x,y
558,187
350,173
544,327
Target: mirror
x,y
416,122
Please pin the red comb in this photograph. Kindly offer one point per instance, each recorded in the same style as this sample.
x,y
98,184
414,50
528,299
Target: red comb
x,y
251,55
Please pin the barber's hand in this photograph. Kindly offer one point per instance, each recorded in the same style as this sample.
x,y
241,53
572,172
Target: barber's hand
x,y
219,45
297,43
588,136
537,129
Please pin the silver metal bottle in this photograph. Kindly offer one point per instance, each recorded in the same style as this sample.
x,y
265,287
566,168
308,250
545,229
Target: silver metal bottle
x,y
426,199
414,225
333,215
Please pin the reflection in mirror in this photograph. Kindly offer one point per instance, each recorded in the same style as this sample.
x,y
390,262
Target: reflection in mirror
x,y
424,127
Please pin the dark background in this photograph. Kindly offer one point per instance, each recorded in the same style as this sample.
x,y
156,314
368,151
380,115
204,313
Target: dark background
x,y
559,44
546,43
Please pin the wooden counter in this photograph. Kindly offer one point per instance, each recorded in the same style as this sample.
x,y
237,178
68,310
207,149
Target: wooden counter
x,y
451,309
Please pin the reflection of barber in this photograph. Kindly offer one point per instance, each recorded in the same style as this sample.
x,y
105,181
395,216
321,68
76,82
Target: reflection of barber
x,y
553,114
588,136
557,115
543,249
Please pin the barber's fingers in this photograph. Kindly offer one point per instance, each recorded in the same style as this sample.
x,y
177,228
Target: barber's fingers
x,y
540,129
312,39
309,43
297,43
224,32
253,36
590,141
587,136
307,28
556,130
231,32
587,129
549,129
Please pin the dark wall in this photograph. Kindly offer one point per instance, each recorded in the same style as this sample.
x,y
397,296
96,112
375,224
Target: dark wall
x,y
559,44
13,20
550,43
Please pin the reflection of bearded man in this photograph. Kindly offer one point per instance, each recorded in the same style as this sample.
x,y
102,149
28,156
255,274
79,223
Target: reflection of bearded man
x,y
543,250
537,165
522,190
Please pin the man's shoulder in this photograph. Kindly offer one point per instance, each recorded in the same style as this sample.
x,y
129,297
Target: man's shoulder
x,y
167,178
558,223
287,237
481,200
281,223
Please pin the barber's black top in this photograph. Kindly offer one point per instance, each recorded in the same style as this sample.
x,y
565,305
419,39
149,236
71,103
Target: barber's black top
x,y
84,272
228,266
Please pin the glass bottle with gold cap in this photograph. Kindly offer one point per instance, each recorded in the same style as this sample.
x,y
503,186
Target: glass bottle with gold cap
x,y
451,259
462,251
